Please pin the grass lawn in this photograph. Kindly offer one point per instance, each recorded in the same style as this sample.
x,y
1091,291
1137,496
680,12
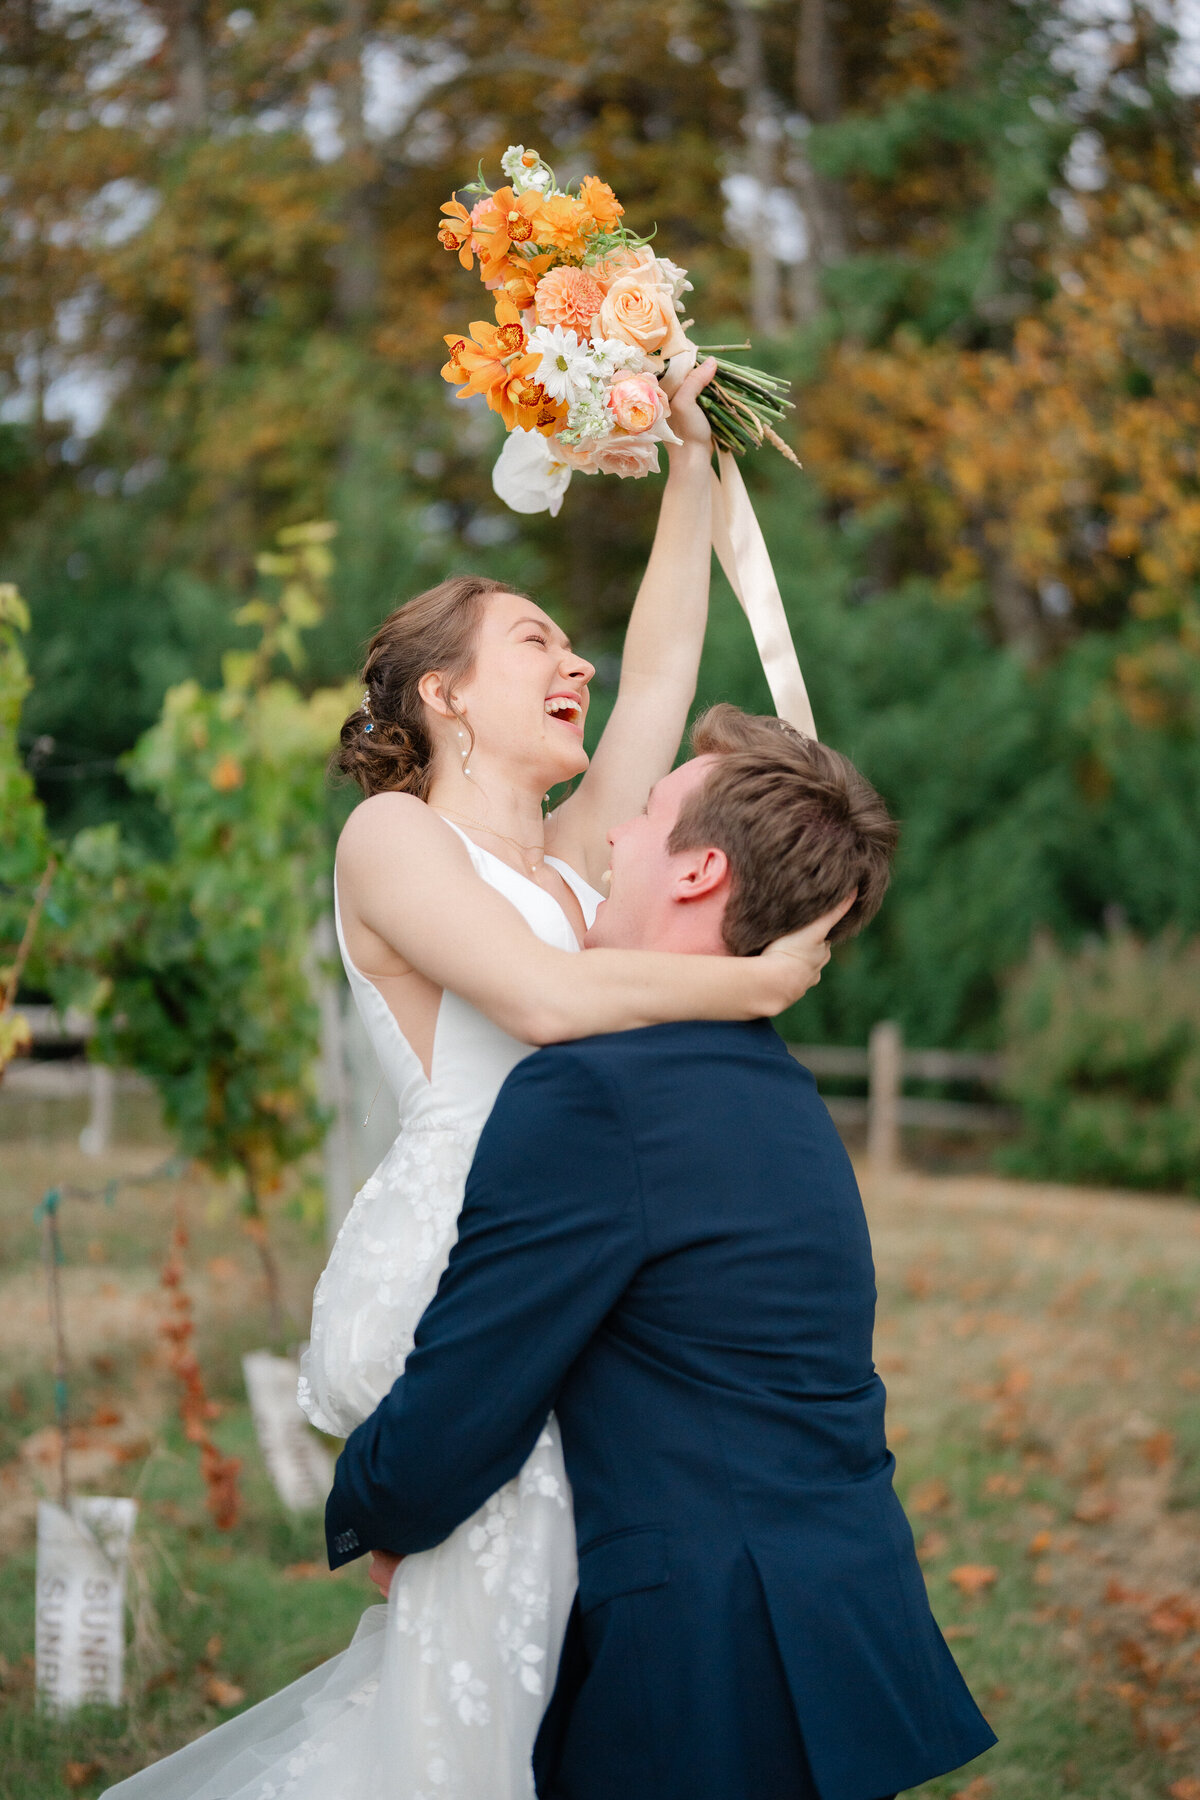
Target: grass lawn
x,y
1041,1348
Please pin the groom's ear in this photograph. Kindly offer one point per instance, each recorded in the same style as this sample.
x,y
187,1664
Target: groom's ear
x,y
699,873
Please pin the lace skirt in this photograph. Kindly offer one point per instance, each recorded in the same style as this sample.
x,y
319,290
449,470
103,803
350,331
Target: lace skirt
x,y
441,1692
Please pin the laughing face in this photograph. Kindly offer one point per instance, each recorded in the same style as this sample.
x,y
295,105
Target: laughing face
x,y
649,886
526,698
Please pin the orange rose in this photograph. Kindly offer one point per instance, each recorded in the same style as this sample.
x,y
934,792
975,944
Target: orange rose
x,y
568,297
641,313
600,201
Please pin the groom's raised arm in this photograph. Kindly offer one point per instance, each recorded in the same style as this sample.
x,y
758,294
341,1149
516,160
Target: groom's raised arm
x,y
551,1234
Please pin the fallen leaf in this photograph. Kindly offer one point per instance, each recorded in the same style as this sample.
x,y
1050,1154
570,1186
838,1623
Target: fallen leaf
x,y
1158,1449
896,1434
1010,1486
1190,1378
1187,1789
1017,1382
973,1578
223,1268
933,1544
1039,1543
305,1571
106,1415
929,1496
1094,1506
918,1282
223,1693
78,1774
953,1632
213,1648
979,1789
892,1365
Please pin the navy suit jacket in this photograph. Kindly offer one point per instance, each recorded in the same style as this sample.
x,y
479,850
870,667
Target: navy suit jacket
x,y
662,1240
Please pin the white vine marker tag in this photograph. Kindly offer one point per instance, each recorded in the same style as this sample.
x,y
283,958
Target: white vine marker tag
x,y
80,1636
298,1463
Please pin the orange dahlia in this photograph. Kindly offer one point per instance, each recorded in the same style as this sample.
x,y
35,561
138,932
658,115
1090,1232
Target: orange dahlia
x,y
600,201
568,297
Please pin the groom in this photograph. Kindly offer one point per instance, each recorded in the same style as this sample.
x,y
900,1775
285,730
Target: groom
x,y
662,1240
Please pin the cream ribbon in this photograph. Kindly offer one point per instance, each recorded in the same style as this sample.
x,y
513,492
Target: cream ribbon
x,y
742,553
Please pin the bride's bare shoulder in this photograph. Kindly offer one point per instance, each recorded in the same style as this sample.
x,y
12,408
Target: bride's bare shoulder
x,y
389,823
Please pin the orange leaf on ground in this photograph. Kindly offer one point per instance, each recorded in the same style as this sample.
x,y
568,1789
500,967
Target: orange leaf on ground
x,y
952,1633
933,1544
1039,1543
1187,1789
973,1578
1094,1506
979,1789
78,1774
1010,1486
1158,1449
929,1496
223,1693
305,1571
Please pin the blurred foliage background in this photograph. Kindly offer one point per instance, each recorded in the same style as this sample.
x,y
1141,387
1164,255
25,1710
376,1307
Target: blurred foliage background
x,y
968,231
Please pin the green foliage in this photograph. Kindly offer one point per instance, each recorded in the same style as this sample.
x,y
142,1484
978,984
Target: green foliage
x,y
1103,1048
198,963
1028,798
24,851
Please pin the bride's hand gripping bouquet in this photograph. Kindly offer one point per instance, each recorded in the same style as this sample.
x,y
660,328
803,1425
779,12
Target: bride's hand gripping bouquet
x,y
588,340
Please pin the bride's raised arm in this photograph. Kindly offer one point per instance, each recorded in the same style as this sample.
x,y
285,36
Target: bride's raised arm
x,y
415,890
662,650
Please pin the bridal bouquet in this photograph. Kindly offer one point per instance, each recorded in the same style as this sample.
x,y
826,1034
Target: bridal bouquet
x,y
587,322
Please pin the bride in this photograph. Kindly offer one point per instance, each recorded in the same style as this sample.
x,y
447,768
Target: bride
x,y
460,910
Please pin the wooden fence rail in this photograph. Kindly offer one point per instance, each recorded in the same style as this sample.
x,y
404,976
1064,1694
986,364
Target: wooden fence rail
x,y
885,1065
71,1077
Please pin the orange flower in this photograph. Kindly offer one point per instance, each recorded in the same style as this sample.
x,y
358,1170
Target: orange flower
x,y
522,400
502,221
568,297
563,224
600,201
517,281
485,361
454,232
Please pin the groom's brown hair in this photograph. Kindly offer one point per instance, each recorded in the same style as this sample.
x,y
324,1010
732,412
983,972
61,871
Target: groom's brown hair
x,y
799,824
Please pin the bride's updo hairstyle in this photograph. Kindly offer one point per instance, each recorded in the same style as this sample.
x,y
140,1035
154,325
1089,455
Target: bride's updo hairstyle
x,y
386,745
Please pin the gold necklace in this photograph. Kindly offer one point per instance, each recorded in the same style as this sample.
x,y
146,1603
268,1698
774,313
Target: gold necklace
x,y
524,850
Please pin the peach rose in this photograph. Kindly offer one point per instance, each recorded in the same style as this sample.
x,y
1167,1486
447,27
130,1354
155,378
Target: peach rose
x,y
636,402
621,260
568,297
642,313
627,457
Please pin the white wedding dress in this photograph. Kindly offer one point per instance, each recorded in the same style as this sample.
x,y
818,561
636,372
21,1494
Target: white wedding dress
x,y
440,1694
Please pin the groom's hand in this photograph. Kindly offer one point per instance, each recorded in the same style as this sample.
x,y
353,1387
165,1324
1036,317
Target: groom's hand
x,y
383,1567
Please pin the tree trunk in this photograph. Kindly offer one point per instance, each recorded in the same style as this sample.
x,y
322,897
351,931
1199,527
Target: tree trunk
x,y
818,91
358,254
761,130
210,312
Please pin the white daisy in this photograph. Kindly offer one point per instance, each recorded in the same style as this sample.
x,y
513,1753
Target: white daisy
x,y
565,369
